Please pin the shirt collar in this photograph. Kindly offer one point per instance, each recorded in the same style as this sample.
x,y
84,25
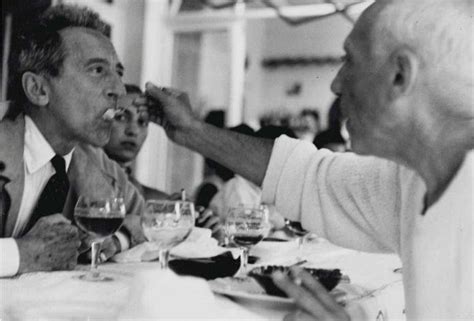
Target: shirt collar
x,y
38,152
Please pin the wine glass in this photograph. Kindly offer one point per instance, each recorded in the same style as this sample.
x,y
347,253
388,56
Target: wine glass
x,y
167,223
295,228
100,217
245,226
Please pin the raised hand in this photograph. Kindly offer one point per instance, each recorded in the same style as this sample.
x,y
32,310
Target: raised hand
x,y
313,300
52,244
169,108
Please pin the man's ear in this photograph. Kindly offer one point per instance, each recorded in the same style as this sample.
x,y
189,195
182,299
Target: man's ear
x,y
404,63
36,88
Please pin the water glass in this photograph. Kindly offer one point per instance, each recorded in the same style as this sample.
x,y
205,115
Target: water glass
x,y
167,223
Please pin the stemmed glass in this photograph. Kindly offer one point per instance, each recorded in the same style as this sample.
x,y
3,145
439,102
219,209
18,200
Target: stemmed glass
x,y
246,226
100,217
167,223
299,232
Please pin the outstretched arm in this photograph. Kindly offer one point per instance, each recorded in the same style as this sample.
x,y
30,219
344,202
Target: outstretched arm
x,y
248,156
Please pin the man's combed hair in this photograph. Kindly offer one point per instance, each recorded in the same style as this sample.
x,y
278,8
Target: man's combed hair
x,y
38,46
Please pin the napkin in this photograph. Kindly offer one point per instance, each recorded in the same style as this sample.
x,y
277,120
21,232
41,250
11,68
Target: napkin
x,y
199,244
161,294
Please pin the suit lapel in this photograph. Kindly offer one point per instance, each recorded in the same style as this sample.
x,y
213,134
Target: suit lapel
x,y
12,138
85,174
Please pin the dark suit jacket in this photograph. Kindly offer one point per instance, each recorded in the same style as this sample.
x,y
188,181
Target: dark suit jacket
x,y
91,172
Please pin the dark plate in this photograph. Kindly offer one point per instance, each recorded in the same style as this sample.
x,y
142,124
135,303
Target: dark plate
x,y
263,275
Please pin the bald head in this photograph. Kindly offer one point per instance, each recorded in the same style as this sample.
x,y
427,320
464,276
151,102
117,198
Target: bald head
x,y
440,32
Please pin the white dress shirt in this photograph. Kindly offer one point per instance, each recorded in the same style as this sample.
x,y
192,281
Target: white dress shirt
x,y
38,170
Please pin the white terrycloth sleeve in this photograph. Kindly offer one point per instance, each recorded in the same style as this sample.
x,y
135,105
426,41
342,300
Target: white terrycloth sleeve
x,y
9,257
354,201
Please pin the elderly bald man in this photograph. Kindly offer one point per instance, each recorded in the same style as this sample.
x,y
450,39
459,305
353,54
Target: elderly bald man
x,y
406,87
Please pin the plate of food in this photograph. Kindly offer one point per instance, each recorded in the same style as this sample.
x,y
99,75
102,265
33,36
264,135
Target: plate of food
x,y
247,289
258,286
329,278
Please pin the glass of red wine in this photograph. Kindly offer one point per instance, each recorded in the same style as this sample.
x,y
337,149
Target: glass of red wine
x,y
246,226
100,217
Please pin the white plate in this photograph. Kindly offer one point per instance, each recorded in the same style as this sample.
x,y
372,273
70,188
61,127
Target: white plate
x,y
248,290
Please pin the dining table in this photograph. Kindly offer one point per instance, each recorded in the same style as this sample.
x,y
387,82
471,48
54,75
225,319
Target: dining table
x,y
371,289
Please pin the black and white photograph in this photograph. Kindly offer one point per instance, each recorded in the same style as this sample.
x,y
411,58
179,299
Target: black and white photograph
x,y
246,160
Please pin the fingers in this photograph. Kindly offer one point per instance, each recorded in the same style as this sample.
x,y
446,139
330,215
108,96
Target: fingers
x,y
162,92
314,287
204,214
208,219
303,298
212,223
108,249
153,90
310,295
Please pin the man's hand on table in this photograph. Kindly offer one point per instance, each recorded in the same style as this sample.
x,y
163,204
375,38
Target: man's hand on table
x,y
52,244
109,247
313,301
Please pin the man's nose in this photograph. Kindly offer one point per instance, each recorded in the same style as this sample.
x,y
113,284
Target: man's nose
x,y
132,129
116,87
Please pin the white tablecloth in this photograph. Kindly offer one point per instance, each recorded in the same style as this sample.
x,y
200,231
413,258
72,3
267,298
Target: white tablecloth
x,y
377,289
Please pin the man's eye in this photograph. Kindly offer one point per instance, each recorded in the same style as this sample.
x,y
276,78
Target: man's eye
x,y
345,58
98,70
120,117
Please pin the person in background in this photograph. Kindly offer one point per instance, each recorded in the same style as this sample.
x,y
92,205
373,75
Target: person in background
x,y
215,175
239,190
309,124
129,131
410,192
335,137
236,190
66,80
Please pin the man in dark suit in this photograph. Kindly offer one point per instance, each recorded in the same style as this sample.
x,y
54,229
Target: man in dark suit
x,y
66,83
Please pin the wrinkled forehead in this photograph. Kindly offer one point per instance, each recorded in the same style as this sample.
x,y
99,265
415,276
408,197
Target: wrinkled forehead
x,y
84,42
